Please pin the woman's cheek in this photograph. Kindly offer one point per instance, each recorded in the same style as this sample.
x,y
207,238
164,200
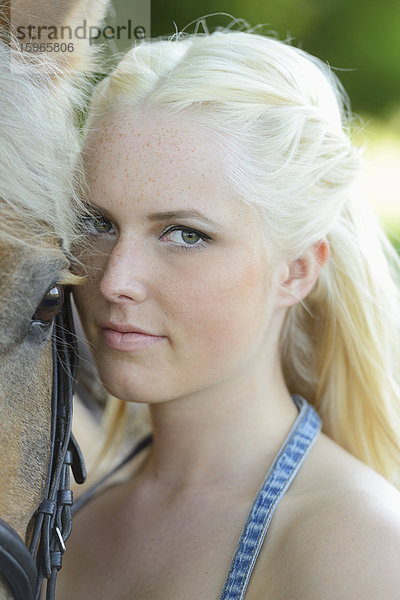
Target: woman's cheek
x,y
223,312
85,300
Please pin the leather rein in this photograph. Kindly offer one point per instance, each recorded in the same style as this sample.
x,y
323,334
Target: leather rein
x,y
25,569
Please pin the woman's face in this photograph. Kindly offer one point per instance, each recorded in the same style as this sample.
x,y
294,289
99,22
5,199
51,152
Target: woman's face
x,y
179,258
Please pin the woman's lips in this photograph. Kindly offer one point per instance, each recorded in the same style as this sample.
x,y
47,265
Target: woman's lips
x,y
128,341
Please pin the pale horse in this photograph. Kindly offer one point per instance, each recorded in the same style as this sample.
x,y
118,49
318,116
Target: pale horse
x,y
40,216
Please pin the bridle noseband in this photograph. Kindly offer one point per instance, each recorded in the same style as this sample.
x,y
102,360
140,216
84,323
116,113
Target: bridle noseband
x,y
23,569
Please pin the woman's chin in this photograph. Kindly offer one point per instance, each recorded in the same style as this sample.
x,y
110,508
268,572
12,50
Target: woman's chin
x,y
132,391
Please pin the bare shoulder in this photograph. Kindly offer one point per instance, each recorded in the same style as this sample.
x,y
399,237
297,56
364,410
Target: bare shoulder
x,y
343,539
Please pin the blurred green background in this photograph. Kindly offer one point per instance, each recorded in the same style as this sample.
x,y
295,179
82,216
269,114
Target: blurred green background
x,y
360,39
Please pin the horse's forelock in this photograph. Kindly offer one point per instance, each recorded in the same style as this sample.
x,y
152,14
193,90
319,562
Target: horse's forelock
x,y
39,146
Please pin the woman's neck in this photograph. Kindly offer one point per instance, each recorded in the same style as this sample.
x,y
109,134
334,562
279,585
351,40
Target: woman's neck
x,y
224,435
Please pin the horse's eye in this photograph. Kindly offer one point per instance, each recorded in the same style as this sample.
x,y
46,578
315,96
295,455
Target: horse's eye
x,y
50,305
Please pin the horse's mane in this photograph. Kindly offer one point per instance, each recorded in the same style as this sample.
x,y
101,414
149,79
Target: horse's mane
x,y
39,143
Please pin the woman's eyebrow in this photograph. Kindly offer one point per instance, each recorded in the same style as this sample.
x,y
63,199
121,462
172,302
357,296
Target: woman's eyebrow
x,y
181,214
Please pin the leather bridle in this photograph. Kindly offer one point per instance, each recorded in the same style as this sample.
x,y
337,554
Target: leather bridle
x,y
24,569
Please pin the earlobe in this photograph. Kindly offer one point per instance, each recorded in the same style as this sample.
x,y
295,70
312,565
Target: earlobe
x,y
303,273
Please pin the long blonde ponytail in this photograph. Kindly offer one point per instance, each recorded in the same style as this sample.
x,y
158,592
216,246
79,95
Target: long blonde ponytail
x,y
341,349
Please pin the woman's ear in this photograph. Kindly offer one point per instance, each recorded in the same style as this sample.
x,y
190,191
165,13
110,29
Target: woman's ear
x,y
302,273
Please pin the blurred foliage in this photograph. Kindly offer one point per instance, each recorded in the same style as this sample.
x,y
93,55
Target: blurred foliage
x,y
360,38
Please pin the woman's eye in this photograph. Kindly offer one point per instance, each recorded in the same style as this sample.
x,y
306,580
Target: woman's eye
x,y
188,237
50,305
99,224
185,237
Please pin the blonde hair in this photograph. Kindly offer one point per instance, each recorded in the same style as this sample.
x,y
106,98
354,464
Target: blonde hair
x,y
280,118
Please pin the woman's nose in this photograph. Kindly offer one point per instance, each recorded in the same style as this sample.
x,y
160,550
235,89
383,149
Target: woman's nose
x,y
120,281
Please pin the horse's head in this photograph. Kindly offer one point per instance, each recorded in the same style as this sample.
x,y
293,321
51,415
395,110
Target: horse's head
x,y
39,224
31,295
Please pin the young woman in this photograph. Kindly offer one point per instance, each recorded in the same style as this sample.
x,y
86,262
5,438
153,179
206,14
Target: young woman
x,y
242,289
